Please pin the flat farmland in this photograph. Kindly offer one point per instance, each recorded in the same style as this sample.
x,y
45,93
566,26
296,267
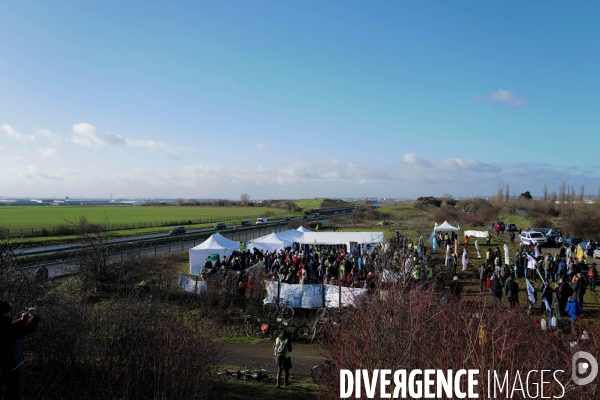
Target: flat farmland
x,y
47,217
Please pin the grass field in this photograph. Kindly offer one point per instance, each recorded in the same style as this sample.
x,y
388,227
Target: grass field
x,y
314,204
47,217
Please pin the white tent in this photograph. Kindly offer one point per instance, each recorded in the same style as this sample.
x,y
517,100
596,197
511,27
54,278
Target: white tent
x,y
303,229
275,241
217,243
445,227
341,237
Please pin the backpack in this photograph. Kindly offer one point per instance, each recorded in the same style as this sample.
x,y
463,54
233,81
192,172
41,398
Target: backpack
x,y
280,346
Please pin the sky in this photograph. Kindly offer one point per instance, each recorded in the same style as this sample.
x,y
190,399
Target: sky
x,y
297,99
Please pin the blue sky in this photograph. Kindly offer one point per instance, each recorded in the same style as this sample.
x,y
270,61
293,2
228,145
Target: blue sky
x,y
289,99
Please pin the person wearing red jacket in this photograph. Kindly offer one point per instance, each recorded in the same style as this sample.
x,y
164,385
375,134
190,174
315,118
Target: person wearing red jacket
x,y
11,357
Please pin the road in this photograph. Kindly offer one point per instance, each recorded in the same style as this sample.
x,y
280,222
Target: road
x,y
142,238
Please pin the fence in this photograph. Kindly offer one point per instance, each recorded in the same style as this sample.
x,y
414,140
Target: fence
x,y
121,251
65,229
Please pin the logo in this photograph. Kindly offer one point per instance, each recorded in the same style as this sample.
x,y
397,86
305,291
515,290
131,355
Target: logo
x,y
589,367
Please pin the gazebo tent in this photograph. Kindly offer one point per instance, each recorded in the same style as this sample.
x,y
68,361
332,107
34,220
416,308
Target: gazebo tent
x,y
303,229
275,241
445,227
341,237
217,243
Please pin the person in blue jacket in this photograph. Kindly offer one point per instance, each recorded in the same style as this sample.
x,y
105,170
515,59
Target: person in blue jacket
x,y
573,308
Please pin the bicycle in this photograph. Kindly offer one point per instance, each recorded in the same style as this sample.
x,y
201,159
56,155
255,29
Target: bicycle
x,y
258,374
323,372
279,307
255,327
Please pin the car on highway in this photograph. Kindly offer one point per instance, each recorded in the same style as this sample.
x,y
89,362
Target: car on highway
x,y
220,225
260,221
287,219
178,230
246,223
530,237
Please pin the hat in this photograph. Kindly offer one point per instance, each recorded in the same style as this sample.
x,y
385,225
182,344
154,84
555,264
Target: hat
x,y
4,307
455,278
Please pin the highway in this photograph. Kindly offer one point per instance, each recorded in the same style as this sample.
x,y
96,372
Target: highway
x,y
131,239
153,245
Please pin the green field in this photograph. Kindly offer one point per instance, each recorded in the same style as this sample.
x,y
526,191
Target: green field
x,y
314,204
37,218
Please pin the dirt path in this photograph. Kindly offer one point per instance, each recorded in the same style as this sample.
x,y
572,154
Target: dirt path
x,y
304,356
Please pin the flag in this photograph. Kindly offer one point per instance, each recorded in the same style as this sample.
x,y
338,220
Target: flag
x,y
435,245
530,262
580,253
317,227
530,291
506,255
213,257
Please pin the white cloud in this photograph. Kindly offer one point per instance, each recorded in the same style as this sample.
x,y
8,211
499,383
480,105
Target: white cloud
x,y
13,134
156,147
86,136
47,134
410,176
47,152
261,146
502,96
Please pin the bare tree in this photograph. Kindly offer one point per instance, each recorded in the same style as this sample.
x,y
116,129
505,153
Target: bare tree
x,y
571,194
507,192
179,202
244,199
546,192
581,193
562,192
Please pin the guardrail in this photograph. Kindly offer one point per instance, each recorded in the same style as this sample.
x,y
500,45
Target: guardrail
x,y
159,245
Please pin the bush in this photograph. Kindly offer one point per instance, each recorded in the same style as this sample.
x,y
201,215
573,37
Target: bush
x,y
412,329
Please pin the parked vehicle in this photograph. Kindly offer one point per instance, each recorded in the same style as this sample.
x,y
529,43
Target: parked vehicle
x,y
178,230
530,237
260,221
511,227
221,225
499,226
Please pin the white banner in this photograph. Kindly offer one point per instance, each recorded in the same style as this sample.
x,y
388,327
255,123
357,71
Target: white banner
x,y
477,234
311,296
190,285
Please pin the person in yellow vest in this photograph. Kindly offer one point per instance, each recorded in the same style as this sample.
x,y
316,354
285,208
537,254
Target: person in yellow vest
x,y
283,348
416,273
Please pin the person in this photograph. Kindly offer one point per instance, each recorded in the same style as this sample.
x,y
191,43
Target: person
x,y
11,358
547,297
512,236
512,292
579,287
283,348
456,287
562,291
573,309
592,273
496,292
482,276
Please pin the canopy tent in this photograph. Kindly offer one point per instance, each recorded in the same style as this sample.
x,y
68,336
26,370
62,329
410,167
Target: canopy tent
x,y
303,229
275,241
445,227
217,243
341,237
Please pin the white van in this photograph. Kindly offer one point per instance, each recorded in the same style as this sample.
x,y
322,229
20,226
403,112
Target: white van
x,y
260,221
